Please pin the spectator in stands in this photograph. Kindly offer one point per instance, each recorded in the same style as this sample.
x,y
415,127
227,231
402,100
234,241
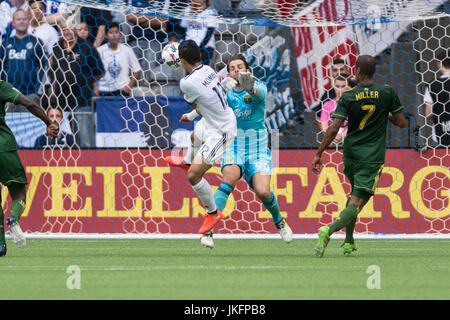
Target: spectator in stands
x,y
75,66
39,27
63,140
340,85
235,6
173,24
338,67
44,31
97,21
83,32
57,11
7,9
146,38
23,59
172,37
200,27
119,60
437,101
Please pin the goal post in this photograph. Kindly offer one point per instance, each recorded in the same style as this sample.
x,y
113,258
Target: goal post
x,y
119,185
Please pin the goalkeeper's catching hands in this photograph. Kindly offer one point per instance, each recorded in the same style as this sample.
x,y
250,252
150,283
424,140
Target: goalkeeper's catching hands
x,y
247,81
228,84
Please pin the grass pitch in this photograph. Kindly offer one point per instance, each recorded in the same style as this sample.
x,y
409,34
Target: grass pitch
x,y
234,269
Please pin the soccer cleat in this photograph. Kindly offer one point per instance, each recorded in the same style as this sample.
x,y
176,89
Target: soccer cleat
x,y
348,248
324,238
18,236
210,221
284,230
177,162
3,250
207,240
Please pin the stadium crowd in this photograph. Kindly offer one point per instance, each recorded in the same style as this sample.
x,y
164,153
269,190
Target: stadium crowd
x,y
65,57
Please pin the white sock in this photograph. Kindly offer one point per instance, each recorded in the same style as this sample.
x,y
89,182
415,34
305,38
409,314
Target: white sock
x,y
189,156
205,194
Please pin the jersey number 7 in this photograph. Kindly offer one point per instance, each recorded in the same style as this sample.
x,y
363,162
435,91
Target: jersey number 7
x,y
371,109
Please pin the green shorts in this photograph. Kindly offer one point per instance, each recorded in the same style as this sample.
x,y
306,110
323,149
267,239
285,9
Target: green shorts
x,y
12,171
363,177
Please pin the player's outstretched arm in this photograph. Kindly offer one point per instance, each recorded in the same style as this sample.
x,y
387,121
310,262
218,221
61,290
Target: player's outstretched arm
x,y
330,134
36,110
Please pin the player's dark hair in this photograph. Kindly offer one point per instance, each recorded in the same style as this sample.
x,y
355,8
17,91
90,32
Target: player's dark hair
x,y
189,51
443,56
172,37
113,25
238,56
338,61
367,64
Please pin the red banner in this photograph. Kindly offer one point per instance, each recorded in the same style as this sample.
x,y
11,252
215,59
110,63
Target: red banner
x,y
134,191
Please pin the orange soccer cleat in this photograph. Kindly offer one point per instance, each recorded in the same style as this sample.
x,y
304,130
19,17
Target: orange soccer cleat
x,y
210,221
177,162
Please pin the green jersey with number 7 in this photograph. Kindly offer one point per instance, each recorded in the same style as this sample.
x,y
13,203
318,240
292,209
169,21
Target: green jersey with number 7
x,y
367,107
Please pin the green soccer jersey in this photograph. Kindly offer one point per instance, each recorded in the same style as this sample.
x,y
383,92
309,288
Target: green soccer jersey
x,y
367,107
7,94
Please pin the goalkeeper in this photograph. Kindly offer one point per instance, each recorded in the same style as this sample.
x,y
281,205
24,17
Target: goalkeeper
x,y
12,173
249,156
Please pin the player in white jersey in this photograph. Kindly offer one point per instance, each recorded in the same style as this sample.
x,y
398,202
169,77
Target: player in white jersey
x,y
215,131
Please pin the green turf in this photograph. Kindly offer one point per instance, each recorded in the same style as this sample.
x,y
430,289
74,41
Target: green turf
x,y
234,269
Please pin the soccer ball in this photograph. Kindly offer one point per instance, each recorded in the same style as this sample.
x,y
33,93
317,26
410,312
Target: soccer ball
x,y
170,55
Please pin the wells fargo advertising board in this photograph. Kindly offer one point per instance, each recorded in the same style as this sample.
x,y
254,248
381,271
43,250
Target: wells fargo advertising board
x,y
134,191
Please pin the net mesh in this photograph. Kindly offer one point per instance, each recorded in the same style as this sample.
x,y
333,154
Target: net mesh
x,y
290,12
112,178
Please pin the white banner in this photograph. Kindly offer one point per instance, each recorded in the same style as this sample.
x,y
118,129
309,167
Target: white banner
x,y
317,46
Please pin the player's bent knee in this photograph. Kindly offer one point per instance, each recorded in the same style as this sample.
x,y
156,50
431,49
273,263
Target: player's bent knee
x,y
231,174
263,194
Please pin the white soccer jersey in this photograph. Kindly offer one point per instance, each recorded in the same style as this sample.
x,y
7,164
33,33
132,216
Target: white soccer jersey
x,y
47,34
202,88
197,26
118,64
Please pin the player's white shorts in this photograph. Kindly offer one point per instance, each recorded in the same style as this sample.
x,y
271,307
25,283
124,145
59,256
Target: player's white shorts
x,y
214,142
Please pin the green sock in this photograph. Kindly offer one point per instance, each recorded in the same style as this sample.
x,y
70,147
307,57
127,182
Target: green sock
x,y
345,217
17,208
272,206
349,229
2,226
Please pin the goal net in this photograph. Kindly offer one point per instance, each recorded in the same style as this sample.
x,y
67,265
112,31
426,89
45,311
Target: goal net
x,y
112,178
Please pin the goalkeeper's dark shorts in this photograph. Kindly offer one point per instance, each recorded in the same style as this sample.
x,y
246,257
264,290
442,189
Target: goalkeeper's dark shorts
x,y
363,177
12,173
